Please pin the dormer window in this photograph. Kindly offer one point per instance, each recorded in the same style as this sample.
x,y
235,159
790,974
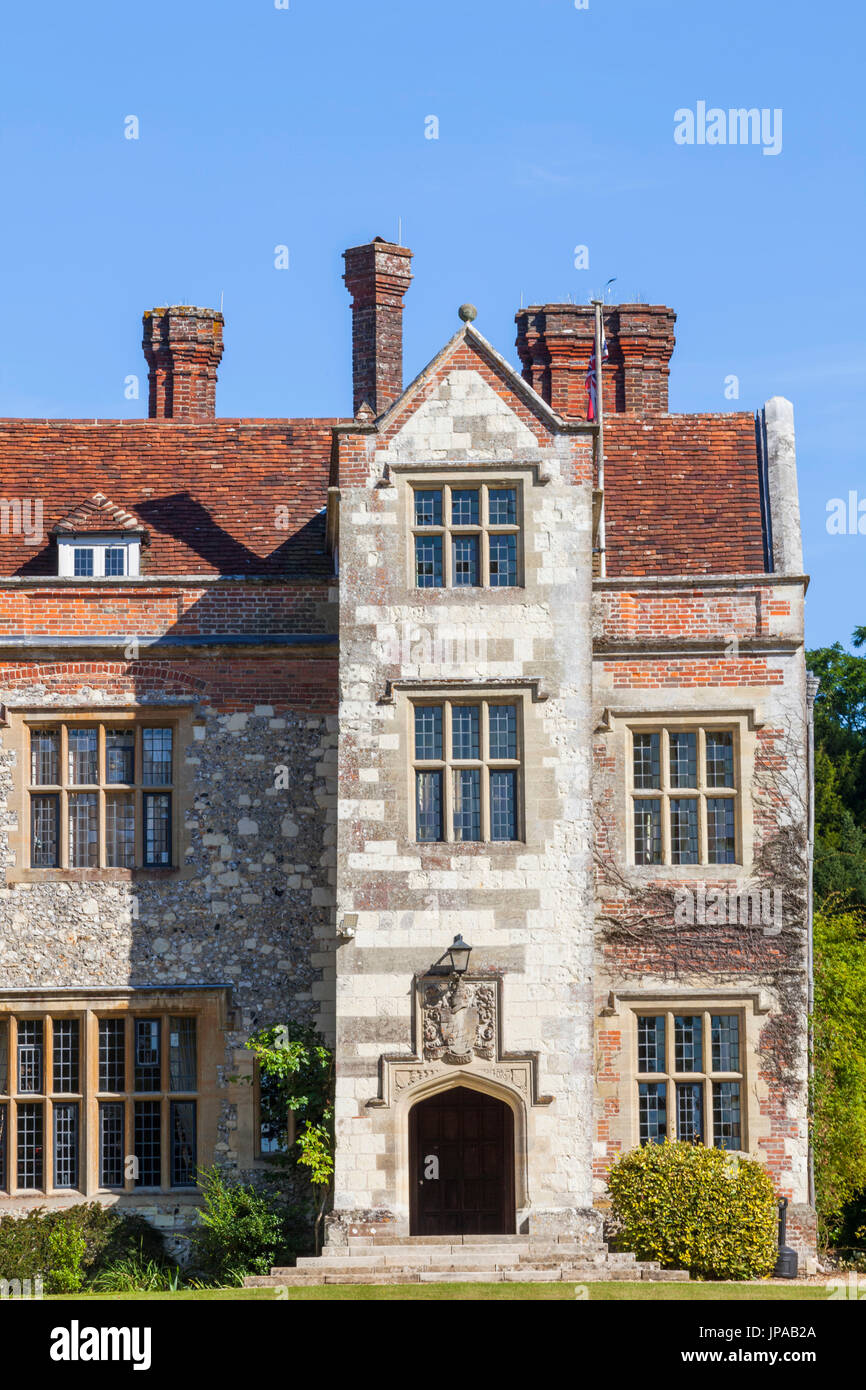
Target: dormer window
x,y
99,540
104,557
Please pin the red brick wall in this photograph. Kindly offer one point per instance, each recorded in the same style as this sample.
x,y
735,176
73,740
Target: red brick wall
x,y
229,683
692,612
150,611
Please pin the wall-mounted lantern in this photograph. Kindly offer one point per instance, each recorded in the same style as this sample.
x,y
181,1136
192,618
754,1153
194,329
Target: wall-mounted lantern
x,y
455,960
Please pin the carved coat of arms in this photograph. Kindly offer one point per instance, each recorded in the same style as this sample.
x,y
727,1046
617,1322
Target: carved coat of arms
x,y
459,1021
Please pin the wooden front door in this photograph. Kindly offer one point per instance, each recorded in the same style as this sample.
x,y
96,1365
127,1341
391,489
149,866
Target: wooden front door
x,y
472,1137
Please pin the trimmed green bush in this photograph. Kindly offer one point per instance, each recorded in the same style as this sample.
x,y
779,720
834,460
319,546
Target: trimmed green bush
x,y
695,1208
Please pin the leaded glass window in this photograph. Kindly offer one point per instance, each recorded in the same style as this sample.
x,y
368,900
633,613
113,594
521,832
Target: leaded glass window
x,y
684,830
182,1053
690,1121
156,751
44,831
651,1042
466,767
88,807
648,830
467,803
147,1054
66,1144
684,796
83,753
120,755
645,756
147,1136
157,829
726,1115
466,536
112,1054
66,1054
88,1093
112,1125
183,1143
45,757
695,1059
31,1145
726,1042
652,1103
31,1034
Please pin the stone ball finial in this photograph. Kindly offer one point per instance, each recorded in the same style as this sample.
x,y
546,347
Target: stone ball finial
x,y
468,312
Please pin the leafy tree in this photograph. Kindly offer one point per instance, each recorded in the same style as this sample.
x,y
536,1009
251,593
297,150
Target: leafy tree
x,y
297,1072
840,772
839,1080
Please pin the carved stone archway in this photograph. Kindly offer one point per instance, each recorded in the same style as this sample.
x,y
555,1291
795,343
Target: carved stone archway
x,y
457,1041
446,1080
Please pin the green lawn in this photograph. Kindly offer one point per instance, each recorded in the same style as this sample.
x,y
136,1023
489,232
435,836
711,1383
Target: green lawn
x,y
616,1292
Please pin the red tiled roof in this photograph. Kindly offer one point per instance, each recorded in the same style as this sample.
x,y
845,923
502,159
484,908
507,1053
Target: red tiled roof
x,y
682,495
209,494
97,513
247,496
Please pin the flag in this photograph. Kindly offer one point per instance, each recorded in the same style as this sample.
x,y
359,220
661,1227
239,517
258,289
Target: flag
x,y
592,383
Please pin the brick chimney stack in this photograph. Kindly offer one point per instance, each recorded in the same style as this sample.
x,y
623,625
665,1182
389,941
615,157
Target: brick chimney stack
x,y
377,277
554,342
183,347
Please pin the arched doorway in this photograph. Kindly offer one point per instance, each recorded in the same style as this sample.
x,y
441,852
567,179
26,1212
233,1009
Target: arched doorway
x,y
461,1157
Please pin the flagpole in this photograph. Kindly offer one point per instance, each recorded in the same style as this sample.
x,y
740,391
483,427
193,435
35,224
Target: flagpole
x,y
598,305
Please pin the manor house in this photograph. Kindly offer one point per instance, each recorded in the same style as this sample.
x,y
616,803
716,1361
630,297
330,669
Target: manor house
x,y
419,724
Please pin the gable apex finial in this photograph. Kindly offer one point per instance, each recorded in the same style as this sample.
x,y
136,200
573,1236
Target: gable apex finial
x,y
467,312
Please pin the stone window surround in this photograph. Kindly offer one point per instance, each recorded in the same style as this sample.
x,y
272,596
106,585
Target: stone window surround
x,y
408,477
449,763
16,737
524,694
700,793
705,1075
207,1005
483,529
620,725
625,1127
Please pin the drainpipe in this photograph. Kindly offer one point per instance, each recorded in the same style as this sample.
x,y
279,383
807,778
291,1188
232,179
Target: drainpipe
x,y
598,305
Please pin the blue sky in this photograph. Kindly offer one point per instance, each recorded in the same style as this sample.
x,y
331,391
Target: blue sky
x,y
306,127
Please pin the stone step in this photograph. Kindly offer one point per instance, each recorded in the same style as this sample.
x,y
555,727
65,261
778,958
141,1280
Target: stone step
x,y
423,1252
570,1274
458,1257
432,1262
292,1280
531,1248
365,1237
